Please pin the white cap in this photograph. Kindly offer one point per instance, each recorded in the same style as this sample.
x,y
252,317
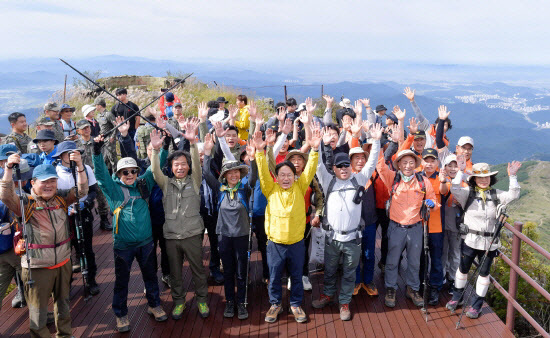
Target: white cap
x,y
465,140
450,159
356,150
126,162
87,109
345,103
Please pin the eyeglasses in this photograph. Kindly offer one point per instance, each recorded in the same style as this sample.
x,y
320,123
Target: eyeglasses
x,y
128,172
342,165
477,172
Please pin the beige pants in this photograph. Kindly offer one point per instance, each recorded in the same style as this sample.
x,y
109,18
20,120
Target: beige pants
x,y
49,282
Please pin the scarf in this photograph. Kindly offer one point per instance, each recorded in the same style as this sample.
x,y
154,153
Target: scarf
x,y
92,121
406,179
231,191
482,191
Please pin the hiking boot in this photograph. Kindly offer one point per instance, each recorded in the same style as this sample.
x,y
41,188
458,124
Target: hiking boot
x,y
158,313
242,312
273,312
357,288
93,288
122,324
415,297
473,313
433,298
299,314
166,280
345,313
50,318
452,305
451,289
177,312
306,283
204,311
18,300
229,311
105,224
323,301
390,297
371,289
216,275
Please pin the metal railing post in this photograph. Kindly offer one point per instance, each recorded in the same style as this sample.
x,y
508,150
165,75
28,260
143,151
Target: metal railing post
x,y
513,284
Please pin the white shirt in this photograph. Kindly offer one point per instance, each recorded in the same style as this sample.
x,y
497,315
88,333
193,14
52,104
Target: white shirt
x,y
219,116
66,180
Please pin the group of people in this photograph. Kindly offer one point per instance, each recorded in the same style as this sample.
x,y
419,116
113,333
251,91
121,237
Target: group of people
x,y
231,171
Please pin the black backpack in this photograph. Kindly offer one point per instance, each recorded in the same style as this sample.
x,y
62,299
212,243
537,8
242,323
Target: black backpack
x,y
395,184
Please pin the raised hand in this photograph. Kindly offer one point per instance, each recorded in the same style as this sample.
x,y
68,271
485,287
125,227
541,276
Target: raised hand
x,y
161,122
327,137
315,140
393,131
123,129
366,126
250,149
413,125
208,144
252,109
310,107
513,168
443,112
305,118
259,117
329,100
400,114
258,142
356,127
287,127
409,93
203,111
233,110
358,108
156,139
461,162
270,136
218,127
191,131
442,175
315,125
376,131
365,102
281,114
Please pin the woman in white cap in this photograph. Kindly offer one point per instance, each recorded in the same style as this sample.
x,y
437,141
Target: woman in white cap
x,y
481,203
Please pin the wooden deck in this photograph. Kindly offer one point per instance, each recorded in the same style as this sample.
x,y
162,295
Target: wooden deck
x,y
370,317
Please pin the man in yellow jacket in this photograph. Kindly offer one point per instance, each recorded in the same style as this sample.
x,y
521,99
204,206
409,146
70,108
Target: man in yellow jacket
x,y
242,121
285,222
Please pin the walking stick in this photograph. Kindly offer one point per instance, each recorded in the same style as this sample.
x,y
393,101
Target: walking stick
x,y
80,236
107,133
501,217
425,214
30,282
250,212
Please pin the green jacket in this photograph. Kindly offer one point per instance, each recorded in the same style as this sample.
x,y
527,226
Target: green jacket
x,y
134,223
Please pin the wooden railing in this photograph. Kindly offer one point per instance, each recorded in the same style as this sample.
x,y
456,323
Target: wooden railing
x,y
515,270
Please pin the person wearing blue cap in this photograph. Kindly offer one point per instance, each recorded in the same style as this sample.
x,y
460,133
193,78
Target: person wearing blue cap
x,y
47,143
86,204
49,241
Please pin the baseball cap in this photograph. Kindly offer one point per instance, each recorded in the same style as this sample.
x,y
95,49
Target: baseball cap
x,y
430,152
44,121
419,134
5,149
51,106
341,158
301,107
44,172
450,159
81,124
465,140
177,104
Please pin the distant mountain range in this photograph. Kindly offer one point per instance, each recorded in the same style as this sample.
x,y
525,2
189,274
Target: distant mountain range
x,y
501,134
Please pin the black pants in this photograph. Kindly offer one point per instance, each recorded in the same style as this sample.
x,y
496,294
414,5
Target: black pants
x,y
305,271
383,222
234,253
210,226
88,233
158,240
258,225
468,255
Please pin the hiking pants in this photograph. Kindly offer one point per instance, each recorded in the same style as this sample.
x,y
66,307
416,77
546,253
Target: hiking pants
x,y
383,222
451,254
234,253
258,225
10,264
351,253
49,282
210,226
88,234
158,240
102,206
290,256
177,250
367,256
436,276
400,238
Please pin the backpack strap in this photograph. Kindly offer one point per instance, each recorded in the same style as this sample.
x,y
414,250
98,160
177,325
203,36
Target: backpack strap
x,y
127,198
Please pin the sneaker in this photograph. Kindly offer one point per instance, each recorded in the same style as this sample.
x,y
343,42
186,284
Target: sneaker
x,y
273,313
177,312
93,288
18,300
229,311
473,313
166,280
371,289
323,301
306,283
216,275
345,313
433,297
242,313
158,313
204,311
452,305
299,314
415,297
357,288
122,324
390,297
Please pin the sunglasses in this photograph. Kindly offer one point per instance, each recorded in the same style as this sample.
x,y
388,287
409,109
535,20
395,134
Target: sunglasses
x,y
342,165
128,172
477,172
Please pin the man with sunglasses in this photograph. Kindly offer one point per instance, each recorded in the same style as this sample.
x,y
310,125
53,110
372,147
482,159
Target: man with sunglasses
x,y
342,221
127,195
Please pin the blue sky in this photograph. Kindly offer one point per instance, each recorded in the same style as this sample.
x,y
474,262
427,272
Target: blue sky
x,y
472,32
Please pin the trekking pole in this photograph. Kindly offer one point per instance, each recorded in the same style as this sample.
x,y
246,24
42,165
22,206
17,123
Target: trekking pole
x,y
124,104
425,214
501,219
30,282
80,236
250,212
